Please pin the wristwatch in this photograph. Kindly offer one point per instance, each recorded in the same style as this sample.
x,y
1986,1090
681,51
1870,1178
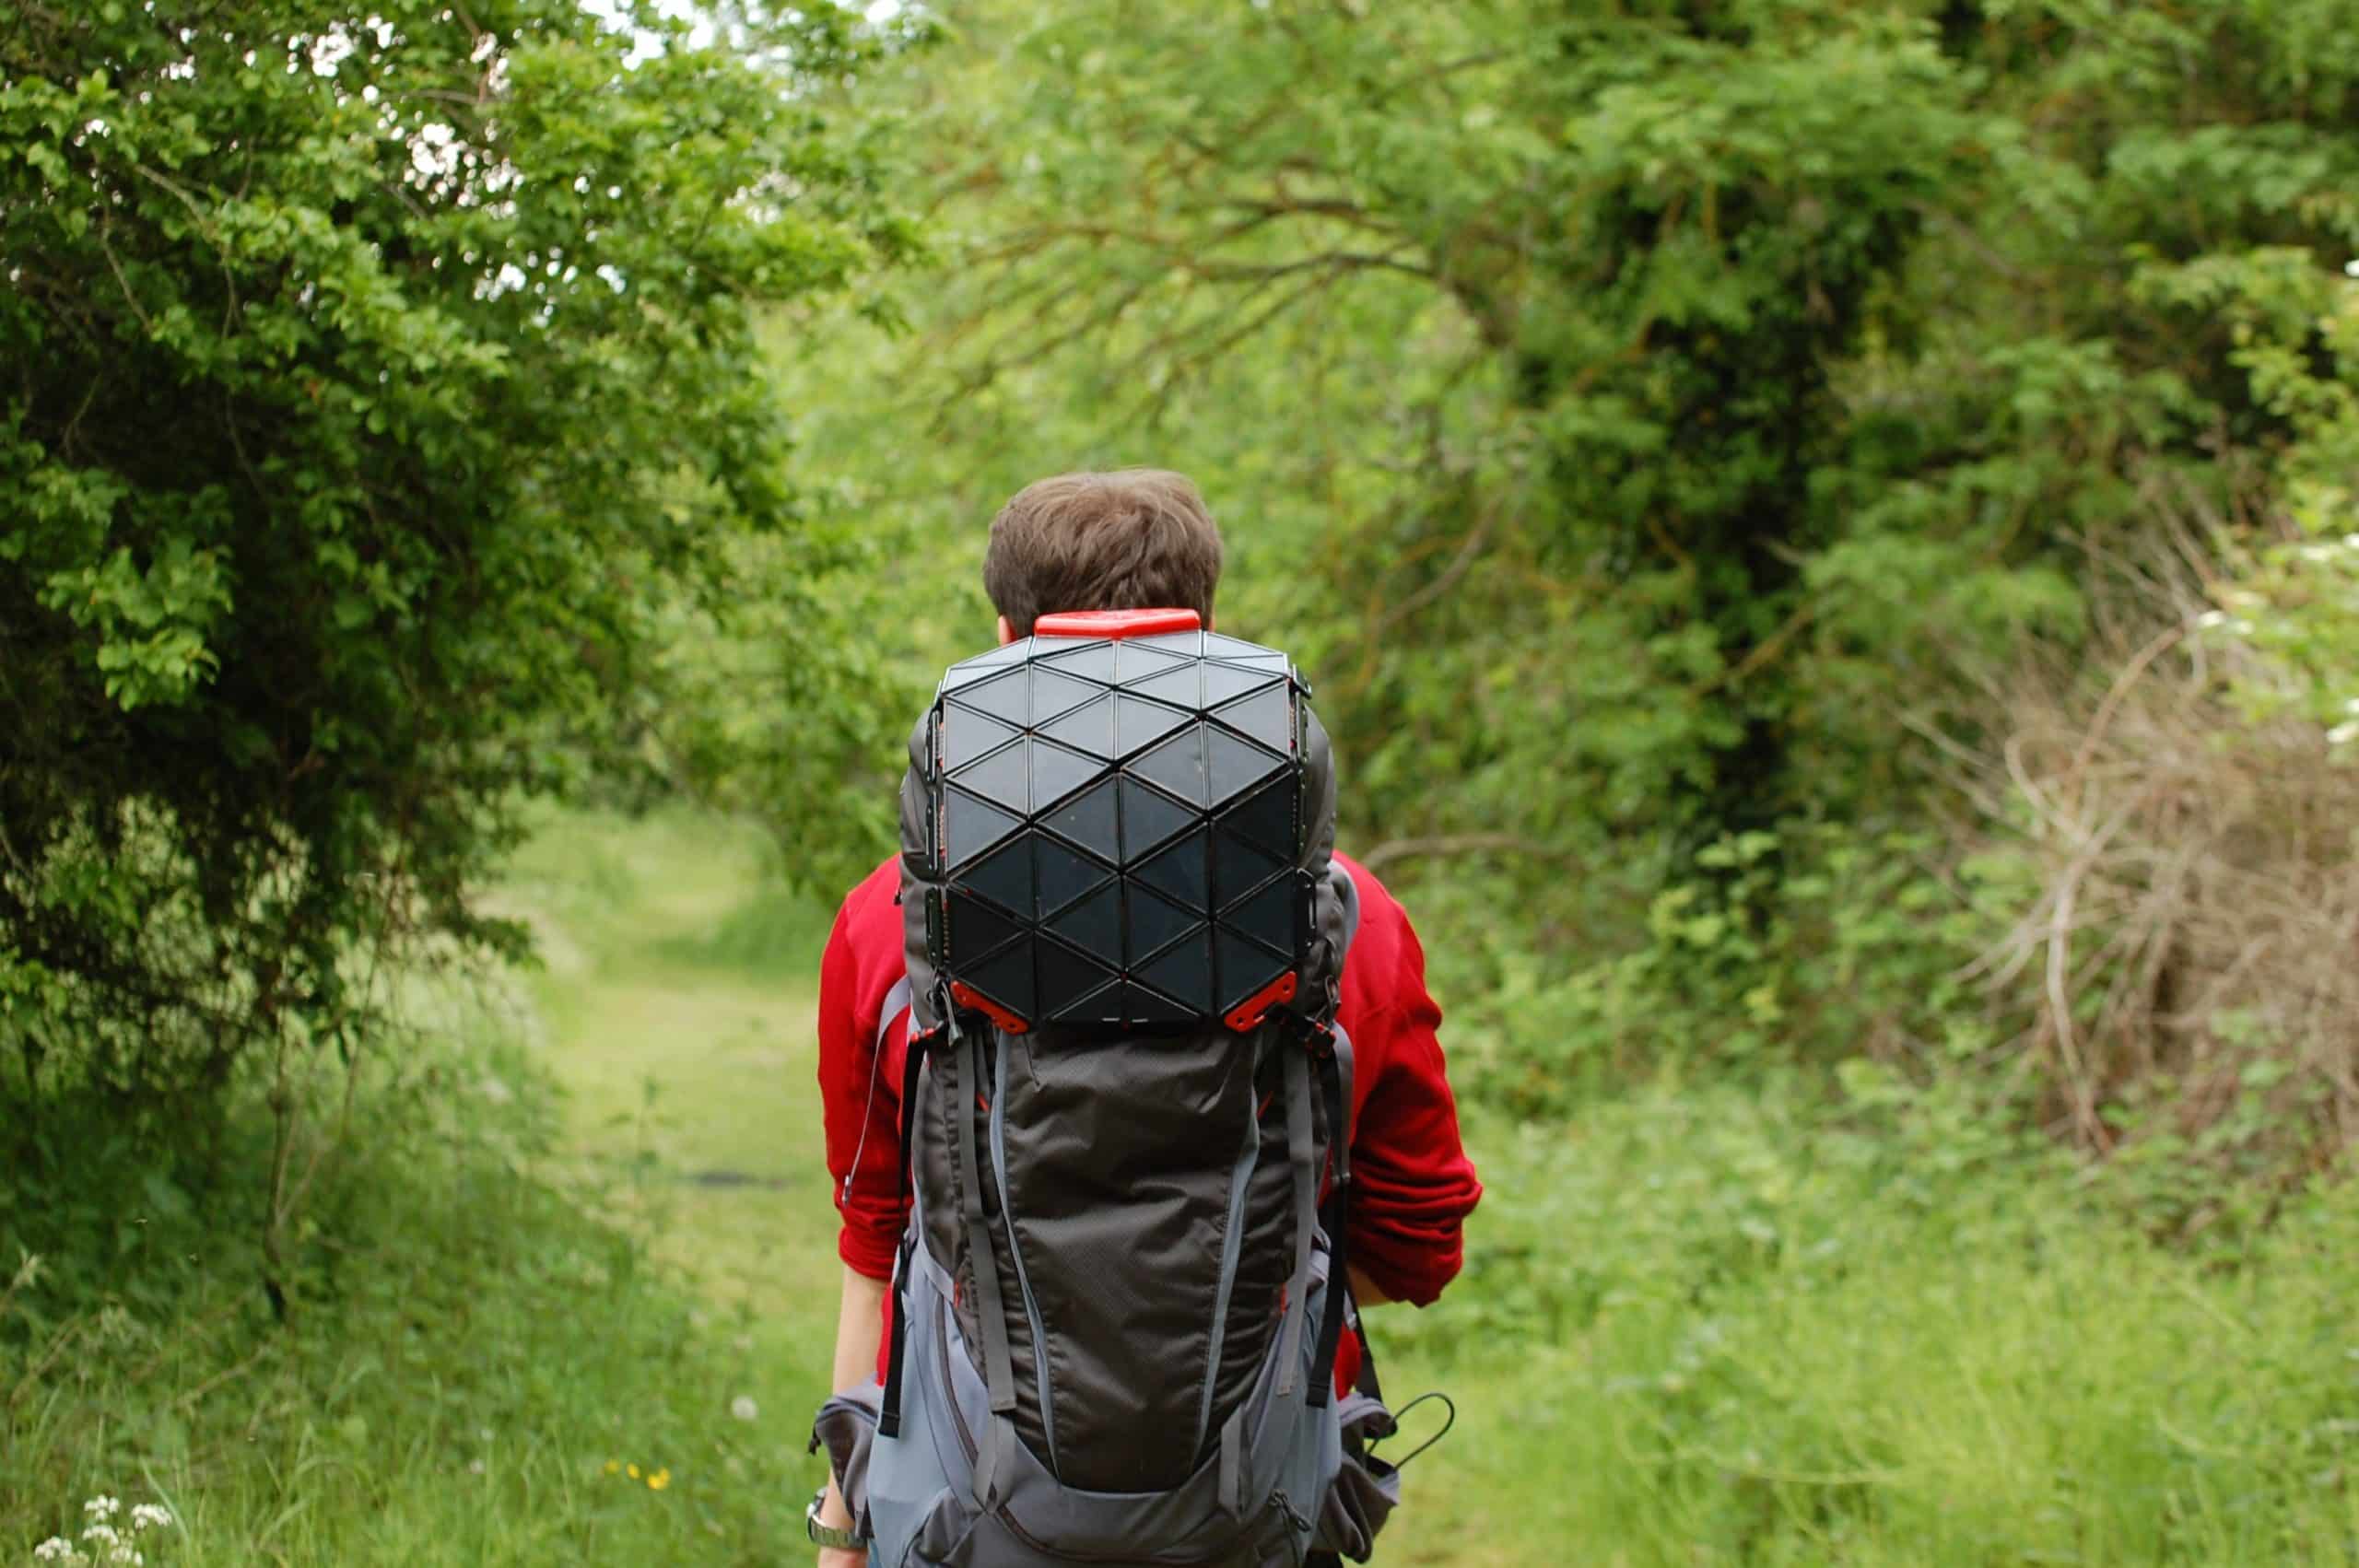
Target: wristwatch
x,y
848,1538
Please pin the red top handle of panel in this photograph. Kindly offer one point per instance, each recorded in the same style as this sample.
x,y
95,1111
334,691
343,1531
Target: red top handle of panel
x,y
1115,622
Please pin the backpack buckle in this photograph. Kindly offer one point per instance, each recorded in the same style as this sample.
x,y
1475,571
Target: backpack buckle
x,y
1317,1038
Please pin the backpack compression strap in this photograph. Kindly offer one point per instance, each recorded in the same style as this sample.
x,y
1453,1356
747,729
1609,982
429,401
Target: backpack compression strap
x,y
921,1045
1333,1218
953,1052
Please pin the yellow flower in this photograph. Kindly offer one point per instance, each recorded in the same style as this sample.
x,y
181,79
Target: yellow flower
x,y
632,1470
614,1467
660,1480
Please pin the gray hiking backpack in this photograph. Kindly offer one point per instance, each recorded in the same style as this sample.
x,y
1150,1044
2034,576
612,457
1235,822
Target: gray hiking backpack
x,y
1124,1114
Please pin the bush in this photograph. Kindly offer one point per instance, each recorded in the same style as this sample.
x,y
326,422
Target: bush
x,y
383,392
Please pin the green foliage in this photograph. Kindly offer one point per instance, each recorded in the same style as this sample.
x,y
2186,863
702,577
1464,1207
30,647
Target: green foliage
x,y
381,396
1667,436
1815,945
475,1333
1706,1324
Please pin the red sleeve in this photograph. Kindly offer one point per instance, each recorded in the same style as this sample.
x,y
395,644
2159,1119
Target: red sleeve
x,y
860,1083
1413,1184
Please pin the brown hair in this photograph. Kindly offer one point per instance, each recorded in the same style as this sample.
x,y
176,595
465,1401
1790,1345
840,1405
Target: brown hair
x,y
1133,539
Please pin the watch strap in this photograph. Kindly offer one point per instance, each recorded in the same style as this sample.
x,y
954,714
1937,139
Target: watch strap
x,y
847,1538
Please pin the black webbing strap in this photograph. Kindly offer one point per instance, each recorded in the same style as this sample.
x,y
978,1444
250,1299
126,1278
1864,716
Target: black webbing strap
x,y
992,1463
1367,1382
888,1413
1299,1150
999,1371
1332,1215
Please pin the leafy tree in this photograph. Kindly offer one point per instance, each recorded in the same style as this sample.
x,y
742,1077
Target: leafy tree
x,y
1663,429
381,390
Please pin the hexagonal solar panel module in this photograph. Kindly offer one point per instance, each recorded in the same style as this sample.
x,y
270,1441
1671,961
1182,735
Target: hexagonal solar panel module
x,y
1118,821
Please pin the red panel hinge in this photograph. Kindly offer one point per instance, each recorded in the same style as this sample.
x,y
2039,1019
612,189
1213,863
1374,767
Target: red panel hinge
x,y
968,997
1254,1008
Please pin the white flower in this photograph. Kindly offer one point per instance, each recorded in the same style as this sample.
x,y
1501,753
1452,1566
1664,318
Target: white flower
x,y
2343,734
2351,706
102,1507
56,1549
102,1533
475,1466
330,50
2351,268
2351,541
149,1516
2212,619
744,1408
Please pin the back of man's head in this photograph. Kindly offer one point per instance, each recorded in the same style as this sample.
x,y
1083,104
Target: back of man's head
x,y
1133,539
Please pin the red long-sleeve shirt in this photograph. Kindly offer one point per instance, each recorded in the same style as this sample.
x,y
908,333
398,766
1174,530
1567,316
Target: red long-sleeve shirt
x,y
1412,1184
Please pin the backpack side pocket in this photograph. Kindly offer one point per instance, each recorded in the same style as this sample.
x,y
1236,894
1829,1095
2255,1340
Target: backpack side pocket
x,y
846,1428
1366,1489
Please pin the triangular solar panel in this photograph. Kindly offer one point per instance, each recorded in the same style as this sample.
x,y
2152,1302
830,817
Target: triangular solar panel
x,y
1184,973
1269,664
966,734
1101,1009
1245,967
1057,773
1149,818
1006,978
959,675
1267,819
1007,698
976,927
1134,663
999,658
1094,925
1219,646
1065,875
1232,767
1005,877
1182,683
1265,716
1239,868
1066,976
1155,922
1053,694
969,826
1144,1007
1087,821
1089,728
1177,765
1179,873
1088,661
999,778
1223,682
1138,722
1268,915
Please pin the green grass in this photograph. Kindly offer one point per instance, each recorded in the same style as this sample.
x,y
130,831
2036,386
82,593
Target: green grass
x,y
1700,1323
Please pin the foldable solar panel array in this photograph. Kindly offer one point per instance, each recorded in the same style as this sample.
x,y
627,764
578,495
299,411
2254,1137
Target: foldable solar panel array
x,y
1116,829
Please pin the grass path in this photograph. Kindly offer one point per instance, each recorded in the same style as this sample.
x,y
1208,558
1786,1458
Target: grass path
x,y
677,999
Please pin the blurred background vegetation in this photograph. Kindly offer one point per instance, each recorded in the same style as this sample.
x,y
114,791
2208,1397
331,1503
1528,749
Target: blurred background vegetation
x,y
1823,533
